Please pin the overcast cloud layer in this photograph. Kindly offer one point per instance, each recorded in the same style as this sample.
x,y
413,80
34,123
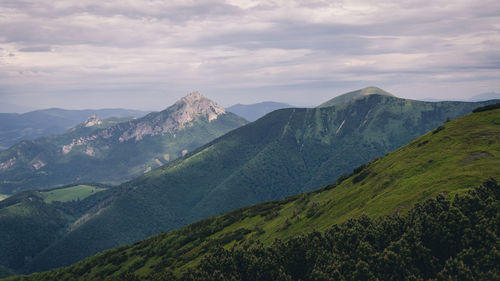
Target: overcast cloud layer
x,y
146,54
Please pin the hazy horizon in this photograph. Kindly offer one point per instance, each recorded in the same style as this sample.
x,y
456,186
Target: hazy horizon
x,y
147,54
16,108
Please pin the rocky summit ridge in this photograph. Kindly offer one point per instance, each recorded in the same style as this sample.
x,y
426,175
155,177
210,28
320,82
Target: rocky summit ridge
x,y
182,114
195,105
93,120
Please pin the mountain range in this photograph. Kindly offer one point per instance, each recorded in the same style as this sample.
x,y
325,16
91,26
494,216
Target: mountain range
x,y
95,152
35,124
286,152
485,96
252,112
348,233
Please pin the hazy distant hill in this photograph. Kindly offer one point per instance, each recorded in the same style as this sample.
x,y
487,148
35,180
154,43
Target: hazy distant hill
x,y
6,107
286,152
35,124
485,96
93,153
448,236
252,112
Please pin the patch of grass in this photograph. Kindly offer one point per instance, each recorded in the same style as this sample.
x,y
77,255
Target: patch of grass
x,y
77,192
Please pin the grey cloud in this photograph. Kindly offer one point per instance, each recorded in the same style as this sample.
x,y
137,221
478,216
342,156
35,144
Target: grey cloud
x,y
161,10
36,49
270,48
291,36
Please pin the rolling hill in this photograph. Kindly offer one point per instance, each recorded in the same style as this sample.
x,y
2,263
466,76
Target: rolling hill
x,y
36,124
96,152
354,95
420,242
286,152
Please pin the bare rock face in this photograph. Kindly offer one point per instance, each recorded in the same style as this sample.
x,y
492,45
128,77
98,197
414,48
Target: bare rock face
x,y
7,164
194,105
180,115
93,121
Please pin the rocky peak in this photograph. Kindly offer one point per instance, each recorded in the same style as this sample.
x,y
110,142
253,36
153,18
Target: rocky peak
x,y
92,121
192,98
193,106
182,114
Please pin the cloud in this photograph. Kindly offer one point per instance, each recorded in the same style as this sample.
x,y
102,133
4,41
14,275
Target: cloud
x,y
36,49
244,51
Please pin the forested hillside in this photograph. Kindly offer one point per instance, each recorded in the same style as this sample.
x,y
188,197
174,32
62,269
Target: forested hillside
x,y
32,220
444,237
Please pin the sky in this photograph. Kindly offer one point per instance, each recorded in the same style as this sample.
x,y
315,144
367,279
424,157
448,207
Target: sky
x,y
147,54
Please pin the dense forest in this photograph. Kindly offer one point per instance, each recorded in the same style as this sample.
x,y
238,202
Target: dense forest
x,y
440,239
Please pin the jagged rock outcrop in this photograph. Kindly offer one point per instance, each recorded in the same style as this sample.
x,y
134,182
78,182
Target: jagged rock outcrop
x,y
92,121
180,115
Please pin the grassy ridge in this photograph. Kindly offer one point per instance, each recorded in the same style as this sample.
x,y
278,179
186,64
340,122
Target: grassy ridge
x,y
450,159
77,192
440,239
355,95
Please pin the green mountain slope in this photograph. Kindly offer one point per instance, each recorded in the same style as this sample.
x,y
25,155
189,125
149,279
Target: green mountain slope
x,y
439,239
358,94
449,160
30,221
36,124
93,152
287,152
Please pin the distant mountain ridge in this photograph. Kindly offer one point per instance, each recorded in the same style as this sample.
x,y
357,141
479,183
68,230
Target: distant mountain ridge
x,y
286,152
252,112
6,107
35,124
116,153
485,96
